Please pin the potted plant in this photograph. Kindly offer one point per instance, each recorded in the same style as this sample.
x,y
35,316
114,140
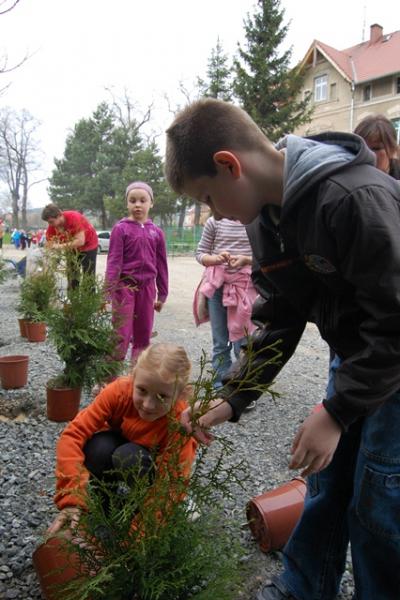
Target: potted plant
x,y
38,291
81,330
144,546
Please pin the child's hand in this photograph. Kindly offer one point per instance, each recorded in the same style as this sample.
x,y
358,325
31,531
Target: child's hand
x,y
239,261
315,443
218,412
210,260
158,305
67,517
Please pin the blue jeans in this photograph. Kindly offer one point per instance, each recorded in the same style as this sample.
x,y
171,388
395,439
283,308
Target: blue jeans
x,y
222,347
357,499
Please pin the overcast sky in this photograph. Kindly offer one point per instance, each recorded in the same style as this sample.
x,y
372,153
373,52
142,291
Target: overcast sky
x,y
78,48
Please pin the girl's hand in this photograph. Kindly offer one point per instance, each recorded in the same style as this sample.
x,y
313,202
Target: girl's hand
x,y
67,517
158,305
218,412
315,443
239,261
210,260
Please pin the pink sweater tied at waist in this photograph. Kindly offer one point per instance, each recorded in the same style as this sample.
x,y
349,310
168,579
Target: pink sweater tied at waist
x,y
238,296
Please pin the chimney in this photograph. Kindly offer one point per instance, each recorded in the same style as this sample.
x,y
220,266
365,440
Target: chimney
x,y
376,32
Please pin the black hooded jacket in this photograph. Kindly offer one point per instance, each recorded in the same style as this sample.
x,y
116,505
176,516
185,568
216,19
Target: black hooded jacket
x,y
331,256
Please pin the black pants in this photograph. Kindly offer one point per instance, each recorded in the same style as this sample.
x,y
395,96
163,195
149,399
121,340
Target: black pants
x,y
87,263
108,450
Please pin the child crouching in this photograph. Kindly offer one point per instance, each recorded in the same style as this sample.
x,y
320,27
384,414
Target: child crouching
x,y
127,425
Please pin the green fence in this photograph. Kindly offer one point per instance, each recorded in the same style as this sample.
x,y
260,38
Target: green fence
x,y
182,240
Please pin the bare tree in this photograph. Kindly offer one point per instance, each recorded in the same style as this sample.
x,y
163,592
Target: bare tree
x,y
7,5
19,158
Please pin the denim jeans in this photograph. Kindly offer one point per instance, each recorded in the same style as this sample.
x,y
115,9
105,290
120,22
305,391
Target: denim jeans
x,y
222,347
357,499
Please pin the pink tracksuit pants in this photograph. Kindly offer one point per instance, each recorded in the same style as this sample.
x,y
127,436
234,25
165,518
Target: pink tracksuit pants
x,y
133,311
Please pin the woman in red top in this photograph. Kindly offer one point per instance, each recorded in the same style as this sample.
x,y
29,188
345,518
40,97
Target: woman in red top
x,y
71,229
124,426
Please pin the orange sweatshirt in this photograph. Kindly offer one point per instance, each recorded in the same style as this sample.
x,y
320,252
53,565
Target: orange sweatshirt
x,y
112,409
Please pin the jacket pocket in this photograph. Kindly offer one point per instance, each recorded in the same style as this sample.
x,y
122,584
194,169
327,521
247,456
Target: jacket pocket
x,y
378,503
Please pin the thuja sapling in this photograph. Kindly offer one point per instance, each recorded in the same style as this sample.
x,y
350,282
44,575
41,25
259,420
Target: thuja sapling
x,y
164,537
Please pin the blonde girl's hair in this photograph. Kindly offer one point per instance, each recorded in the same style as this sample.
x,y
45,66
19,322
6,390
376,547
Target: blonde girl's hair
x,y
169,361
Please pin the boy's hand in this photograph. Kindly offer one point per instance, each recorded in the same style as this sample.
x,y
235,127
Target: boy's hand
x,y
67,517
219,412
315,443
239,260
158,305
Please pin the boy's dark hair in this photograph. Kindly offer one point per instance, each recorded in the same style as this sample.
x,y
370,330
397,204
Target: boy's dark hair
x,y
378,126
51,211
201,129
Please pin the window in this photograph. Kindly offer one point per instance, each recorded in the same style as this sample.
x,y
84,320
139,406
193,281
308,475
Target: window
x,y
396,125
398,85
104,235
367,93
321,88
332,93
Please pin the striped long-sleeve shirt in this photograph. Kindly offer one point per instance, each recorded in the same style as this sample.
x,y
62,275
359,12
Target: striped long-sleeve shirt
x,y
223,235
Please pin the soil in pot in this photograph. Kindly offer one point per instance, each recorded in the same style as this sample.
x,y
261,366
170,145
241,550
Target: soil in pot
x,y
36,332
14,371
273,515
22,327
62,403
54,567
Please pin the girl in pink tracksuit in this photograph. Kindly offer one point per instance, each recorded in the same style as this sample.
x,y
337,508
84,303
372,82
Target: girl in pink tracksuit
x,y
137,271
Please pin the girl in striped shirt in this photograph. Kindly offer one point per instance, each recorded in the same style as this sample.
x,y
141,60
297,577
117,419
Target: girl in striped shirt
x,y
224,249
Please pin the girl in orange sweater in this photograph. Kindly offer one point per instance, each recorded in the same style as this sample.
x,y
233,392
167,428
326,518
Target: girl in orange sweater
x,y
123,426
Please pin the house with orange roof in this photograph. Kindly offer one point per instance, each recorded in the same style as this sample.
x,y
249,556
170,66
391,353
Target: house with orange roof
x,y
345,86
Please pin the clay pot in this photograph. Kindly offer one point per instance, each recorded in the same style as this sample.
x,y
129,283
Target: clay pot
x,y
62,403
22,327
14,371
273,515
36,332
54,566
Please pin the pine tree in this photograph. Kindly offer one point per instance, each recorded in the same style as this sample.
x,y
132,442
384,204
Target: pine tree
x,y
218,84
265,85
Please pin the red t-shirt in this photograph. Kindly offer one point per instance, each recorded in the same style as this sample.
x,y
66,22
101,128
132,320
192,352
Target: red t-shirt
x,y
74,222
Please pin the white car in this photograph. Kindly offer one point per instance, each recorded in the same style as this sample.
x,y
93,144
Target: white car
x,y
104,241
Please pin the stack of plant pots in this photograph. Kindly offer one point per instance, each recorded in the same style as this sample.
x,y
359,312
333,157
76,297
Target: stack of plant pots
x,y
55,567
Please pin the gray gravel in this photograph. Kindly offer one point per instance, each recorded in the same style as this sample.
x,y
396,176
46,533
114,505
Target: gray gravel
x,y
27,442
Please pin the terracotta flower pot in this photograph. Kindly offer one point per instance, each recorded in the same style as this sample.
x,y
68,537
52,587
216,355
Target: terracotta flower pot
x,y
14,371
273,515
54,566
62,403
36,332
22,327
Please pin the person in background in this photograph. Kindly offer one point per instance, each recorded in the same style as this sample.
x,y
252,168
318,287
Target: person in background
x,y
137,271
16,238
224,249
380,136
70,229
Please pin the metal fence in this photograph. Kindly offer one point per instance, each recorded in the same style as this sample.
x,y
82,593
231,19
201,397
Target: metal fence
x,y
182,240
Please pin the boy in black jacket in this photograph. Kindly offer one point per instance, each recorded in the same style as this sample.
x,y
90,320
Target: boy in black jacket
x,y
324,226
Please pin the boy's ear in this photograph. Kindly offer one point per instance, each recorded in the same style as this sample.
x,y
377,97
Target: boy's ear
x,y
227,160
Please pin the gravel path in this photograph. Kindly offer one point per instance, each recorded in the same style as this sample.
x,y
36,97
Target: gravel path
x,y
27,438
